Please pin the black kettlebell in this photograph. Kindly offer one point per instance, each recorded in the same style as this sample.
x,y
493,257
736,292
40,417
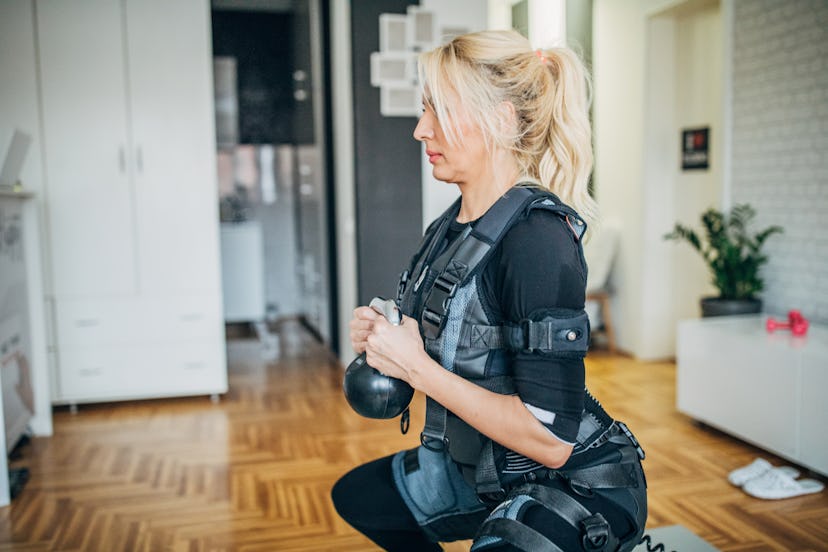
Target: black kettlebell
x,y
369,392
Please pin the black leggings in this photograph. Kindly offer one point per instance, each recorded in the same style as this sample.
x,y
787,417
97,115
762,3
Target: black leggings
x,y
367,498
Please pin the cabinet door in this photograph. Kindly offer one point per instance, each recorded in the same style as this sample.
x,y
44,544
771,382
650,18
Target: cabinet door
x,y
83,84
735,377
813,408
170,64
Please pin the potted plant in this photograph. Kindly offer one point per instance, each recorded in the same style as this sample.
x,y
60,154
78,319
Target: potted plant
x,y
734,256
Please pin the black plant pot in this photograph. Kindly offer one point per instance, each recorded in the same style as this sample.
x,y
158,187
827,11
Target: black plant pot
x,y
716,306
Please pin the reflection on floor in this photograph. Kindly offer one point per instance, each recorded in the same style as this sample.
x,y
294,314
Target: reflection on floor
x,y
254,472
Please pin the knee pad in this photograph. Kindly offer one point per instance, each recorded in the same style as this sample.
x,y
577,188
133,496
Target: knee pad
x,y
505,525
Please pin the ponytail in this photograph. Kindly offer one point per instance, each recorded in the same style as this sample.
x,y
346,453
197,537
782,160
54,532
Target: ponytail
x,y
567,160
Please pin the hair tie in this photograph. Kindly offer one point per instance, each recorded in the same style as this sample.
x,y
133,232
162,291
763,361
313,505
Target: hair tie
x,y
540,55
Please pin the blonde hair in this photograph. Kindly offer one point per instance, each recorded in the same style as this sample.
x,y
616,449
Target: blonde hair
x,y
551,137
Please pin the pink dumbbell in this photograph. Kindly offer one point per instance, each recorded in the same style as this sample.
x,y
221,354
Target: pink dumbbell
x,y
797,323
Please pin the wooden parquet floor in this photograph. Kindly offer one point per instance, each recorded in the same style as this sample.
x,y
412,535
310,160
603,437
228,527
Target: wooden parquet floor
x,y
253,472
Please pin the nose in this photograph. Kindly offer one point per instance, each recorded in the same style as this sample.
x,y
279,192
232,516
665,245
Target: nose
x,y
424,129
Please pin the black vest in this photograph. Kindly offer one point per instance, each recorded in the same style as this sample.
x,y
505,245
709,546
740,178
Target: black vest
x,y
439,289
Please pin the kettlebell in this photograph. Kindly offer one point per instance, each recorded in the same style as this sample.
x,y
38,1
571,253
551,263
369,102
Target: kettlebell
x,y
369,392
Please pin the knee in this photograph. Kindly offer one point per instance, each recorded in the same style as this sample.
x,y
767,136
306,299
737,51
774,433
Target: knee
x,y
349,495
340,494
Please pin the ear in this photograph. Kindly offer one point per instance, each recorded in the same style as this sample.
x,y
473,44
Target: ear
x,y
506,117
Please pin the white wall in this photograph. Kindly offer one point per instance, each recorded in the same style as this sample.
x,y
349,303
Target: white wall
x,y
698,103
618,111
683,90
657,69
547,20
659,161
780,140
471,15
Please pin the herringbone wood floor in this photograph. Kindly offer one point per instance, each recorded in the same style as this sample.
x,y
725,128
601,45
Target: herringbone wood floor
x,y
253,473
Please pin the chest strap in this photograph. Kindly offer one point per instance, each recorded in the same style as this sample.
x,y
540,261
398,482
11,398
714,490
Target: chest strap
x,y
566,333
455,268
428,248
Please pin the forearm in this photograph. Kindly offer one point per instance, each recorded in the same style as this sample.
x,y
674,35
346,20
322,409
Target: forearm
x,y
502,418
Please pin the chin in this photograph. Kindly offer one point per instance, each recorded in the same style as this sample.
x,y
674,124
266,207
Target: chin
x,y
436,173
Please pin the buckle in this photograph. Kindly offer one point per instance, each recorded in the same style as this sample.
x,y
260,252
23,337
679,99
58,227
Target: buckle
x,y
401,285
432,323
446,286
428,442
525,326
579,487
595,532
633,440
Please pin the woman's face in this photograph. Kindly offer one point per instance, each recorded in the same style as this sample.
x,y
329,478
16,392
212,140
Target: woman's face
x,y
458,163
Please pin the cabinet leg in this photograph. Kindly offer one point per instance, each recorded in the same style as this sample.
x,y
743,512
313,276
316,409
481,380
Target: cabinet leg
x,y
214,398
73,409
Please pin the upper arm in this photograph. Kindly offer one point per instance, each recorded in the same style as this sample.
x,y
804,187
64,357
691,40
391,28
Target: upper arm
x,y
539,272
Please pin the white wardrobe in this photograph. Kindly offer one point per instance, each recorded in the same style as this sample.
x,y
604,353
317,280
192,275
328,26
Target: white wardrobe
x,y
129,144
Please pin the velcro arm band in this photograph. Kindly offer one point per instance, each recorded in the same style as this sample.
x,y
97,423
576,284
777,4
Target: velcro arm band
x,y
562,332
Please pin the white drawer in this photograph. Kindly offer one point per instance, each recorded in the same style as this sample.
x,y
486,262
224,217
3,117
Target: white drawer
x,y
183,319
137,320
197,367
135,372
101,373
97,322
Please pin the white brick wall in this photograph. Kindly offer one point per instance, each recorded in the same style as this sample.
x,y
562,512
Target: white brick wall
x,y
780,143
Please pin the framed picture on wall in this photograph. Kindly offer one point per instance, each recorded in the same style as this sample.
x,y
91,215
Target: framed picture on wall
x,y
422,25
393,31
695,148
393,69
400,101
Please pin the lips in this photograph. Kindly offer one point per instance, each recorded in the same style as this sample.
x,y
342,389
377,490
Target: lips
x,y
433,156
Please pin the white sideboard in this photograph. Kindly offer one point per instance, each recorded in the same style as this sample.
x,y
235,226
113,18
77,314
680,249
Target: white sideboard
x,y
767,389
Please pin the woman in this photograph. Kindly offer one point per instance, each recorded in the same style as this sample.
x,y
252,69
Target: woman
x,y
515,452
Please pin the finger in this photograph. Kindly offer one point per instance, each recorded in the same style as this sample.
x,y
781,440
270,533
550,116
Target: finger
x,y
359,336
366,313
357,324
373,360
380,325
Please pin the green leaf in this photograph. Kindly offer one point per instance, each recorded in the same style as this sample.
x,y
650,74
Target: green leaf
x,y
731,252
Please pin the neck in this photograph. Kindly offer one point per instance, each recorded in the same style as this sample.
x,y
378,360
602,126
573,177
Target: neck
x,y
500,174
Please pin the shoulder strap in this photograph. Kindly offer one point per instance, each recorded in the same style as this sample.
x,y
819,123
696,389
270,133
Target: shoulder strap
x,y
431,238
456,266
550,202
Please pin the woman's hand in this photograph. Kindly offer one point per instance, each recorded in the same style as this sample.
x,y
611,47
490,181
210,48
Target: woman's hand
x,y
361,326
397,351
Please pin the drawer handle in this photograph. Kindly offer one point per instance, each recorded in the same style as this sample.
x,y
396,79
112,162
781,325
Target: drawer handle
x,y
90,372
191,317
87,322
195,365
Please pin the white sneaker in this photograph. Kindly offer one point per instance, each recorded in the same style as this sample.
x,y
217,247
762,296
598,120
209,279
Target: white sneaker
x,y
775,484
755,469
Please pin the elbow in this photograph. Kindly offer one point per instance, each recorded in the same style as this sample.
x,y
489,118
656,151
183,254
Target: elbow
x,y
556,457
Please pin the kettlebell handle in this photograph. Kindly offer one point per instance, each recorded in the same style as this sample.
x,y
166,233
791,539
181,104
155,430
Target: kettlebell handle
x,y
388,308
